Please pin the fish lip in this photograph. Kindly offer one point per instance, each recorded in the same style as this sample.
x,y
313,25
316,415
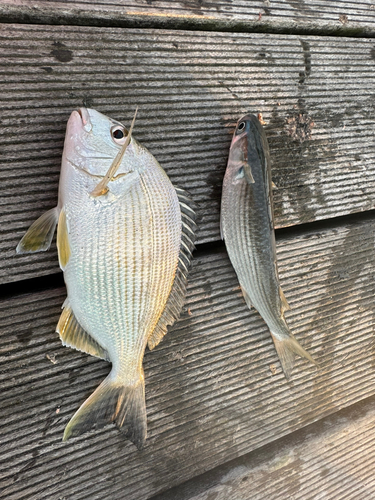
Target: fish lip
x,y
85,118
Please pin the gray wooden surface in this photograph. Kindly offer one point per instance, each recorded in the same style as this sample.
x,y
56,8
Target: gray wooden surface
x,y
217,401
214,386
333,458
315,93
355,18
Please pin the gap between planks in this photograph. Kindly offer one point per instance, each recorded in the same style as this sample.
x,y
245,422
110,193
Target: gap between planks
x,y
307,18
50,281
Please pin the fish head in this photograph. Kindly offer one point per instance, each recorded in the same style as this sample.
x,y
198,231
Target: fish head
x,y
248,150
93,141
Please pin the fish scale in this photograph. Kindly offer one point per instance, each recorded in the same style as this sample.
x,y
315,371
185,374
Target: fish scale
x,y
247,228
125,238
252,228
125,305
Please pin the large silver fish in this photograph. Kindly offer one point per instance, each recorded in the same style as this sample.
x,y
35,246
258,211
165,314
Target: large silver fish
x,y
125,236
248,231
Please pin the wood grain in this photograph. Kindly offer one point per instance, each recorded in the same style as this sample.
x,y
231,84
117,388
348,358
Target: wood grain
x,y
314,16
333,458
214,387
315,94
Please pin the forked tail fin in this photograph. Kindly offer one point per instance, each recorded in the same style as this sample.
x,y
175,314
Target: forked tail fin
x,y
286,347
112,402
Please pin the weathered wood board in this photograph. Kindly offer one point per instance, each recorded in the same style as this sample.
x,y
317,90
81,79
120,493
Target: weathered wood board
x,y
315,93
318,16
214,387
328,460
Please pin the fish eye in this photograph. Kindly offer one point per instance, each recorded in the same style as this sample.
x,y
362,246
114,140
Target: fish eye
x,y
241,126
118,134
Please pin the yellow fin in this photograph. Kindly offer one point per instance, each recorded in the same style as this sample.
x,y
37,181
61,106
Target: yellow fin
x,y
113,402
63,246
39,235
284,303
73,335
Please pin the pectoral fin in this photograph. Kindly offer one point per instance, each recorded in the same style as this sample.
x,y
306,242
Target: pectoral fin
x,y
73,335
248,174
63,246
240,174
39,235
245,172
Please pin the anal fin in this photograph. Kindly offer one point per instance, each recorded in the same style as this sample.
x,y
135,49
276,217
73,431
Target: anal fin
x,y
73,335
39,236
284,303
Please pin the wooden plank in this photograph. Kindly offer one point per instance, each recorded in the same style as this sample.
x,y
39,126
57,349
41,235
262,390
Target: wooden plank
x,y
214,387
333,458
315,94
314,16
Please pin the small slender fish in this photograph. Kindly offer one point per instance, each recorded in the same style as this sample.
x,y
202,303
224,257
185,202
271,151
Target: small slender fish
x,y
125,238
248,230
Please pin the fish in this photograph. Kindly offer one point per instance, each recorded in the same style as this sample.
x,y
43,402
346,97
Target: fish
x,y
125,238
246,221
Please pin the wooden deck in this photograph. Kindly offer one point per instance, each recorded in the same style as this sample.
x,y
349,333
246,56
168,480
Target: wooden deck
x,y
223,422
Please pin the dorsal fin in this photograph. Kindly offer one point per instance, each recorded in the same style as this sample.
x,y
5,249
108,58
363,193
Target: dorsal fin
x,y
176,297
73,335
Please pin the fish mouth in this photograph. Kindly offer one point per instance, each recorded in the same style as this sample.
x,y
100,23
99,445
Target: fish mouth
x,y
78,120
85,118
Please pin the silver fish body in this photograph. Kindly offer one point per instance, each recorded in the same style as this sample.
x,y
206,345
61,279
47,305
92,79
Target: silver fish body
x,y
125,256
248,231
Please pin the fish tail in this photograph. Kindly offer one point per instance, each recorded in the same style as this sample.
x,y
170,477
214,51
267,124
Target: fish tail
x,y
287,347
113,402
